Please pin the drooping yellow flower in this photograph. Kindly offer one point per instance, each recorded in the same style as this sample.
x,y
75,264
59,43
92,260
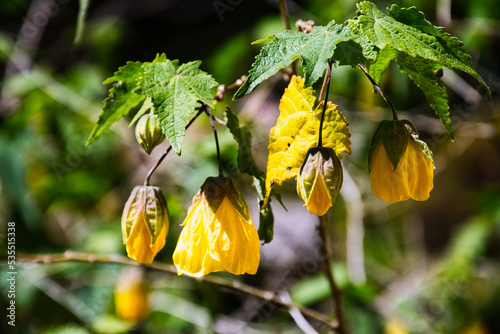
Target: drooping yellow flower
x,y
401,165
145,223
131,298
218,233
319,179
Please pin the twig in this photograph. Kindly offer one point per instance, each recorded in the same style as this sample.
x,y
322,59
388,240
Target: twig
x,y
327,268
284,14
26,45
163,156
443,13
270,296
297,316
385,97
223,89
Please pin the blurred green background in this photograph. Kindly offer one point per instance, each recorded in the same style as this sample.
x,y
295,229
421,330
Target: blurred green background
x,y
410,267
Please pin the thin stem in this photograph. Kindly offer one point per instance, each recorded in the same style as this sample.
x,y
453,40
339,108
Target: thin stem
x,y
286,21
328,75
327,268
219,97
284,14
385,97
164,155
325,79
266,295
209,114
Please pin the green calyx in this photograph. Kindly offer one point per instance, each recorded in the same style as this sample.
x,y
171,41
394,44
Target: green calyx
x,y
395,135
215,189
320,162
146,204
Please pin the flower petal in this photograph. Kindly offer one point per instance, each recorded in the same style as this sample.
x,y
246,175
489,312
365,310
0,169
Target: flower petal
x,y
139,241
412,179
191,255
319,200
233,241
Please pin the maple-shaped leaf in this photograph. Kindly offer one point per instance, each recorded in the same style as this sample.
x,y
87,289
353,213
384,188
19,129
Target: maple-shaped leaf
x,y
121,99
407,30
420,49
314,48
422,73
297,129
174,91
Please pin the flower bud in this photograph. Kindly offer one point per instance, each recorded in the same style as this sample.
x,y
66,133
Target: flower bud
x,y
145,223
319,179
148,132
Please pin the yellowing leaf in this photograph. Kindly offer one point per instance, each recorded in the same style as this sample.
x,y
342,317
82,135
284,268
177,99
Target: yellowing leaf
x,y
296,131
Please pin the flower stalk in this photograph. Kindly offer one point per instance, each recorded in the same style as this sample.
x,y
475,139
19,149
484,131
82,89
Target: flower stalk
x,y
377,88
212,120
164,155
328,76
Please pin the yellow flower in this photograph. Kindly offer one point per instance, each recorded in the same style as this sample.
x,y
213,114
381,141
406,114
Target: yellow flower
x,y
145,223
401,165
131,299
218,233
319,179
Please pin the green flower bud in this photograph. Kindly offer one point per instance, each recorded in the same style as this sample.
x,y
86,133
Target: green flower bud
x,y
319,179
148,132
145,223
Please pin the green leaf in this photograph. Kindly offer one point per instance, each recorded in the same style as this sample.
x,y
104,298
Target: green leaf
x,y
349,53
121,99
174,91
421,72
467,245
377,68
246,164
285,47
451,44
266,217
243,137
370,51
406,30
146,107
